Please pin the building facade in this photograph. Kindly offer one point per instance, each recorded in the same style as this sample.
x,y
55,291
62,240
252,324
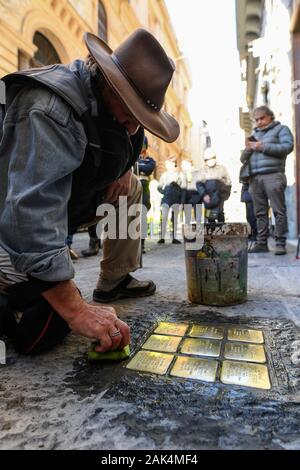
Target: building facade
x,y
268,33
41,32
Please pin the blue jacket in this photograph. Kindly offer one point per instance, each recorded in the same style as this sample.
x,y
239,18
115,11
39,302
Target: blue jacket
x,y
278,142
59,149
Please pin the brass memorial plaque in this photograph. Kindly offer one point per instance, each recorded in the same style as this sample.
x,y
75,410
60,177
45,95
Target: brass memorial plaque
x,y
194,368
201,347
162,343
194,351
245,335
246,374
174,329
245,352
148,361
207,331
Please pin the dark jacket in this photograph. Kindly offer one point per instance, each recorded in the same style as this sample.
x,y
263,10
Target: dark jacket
x,y
146,166
172,194
217,191
173,186
278,142
245,194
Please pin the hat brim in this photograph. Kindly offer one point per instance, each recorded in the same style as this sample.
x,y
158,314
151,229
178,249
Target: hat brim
x,y
158,123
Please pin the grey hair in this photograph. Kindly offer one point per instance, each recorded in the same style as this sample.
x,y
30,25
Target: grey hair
x,y
266,110
98,77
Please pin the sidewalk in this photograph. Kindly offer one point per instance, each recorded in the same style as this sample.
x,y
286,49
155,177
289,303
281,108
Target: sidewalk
x,y
59,401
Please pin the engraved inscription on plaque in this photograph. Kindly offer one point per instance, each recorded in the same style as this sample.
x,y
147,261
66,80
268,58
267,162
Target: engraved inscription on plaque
x,y
201,347
245,335
245,352
174,329
246,374
162,343
148,361
194,368
207,331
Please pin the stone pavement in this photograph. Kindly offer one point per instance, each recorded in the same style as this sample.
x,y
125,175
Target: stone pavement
x,y
59,401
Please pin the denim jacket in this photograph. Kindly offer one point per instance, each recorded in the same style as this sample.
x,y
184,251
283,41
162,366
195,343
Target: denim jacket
x,y
43,144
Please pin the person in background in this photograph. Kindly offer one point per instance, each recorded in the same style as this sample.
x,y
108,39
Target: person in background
x,y
172,185
192,198
250,213
266,151
94,242
69,242
145,167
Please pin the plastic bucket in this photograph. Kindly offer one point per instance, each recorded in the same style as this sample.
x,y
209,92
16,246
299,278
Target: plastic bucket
x,y
217,265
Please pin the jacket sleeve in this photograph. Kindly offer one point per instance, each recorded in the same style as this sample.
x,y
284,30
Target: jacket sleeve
x,y
41,146
284,147
246,154
201,189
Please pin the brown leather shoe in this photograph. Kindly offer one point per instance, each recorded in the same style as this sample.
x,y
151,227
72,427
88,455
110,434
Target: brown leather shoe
x,y
73,254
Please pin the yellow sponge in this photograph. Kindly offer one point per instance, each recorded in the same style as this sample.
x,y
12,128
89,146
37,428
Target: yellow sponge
x,y
109,355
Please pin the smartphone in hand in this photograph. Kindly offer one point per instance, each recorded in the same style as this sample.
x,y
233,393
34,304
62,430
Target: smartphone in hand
x,y
252,138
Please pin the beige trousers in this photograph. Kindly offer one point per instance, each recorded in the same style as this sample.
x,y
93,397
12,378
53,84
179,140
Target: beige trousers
x,y
122,256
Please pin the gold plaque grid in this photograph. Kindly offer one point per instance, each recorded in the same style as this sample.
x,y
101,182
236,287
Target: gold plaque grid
x,y
205,352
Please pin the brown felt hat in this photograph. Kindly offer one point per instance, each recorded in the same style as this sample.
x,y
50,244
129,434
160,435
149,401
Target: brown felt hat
x,y
139,71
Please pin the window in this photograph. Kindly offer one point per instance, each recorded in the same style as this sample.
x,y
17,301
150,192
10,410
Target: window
x,y
45,54
102,22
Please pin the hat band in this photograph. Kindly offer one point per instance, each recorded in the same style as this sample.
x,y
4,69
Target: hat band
x,y
123,71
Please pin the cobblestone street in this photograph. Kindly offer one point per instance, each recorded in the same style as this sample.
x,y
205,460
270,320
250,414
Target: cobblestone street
x,y
60,401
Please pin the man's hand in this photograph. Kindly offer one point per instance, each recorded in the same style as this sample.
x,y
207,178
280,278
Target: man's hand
x,y
95,322
259,146
120,187
248,144
102,324
207,199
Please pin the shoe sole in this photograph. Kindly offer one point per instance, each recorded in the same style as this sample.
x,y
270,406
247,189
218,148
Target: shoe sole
x,y
125,295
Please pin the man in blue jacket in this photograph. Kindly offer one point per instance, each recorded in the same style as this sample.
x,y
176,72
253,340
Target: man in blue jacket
x,y
69,136
266,151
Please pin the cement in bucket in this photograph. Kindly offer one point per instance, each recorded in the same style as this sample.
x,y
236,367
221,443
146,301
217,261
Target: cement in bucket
x,y
216,263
